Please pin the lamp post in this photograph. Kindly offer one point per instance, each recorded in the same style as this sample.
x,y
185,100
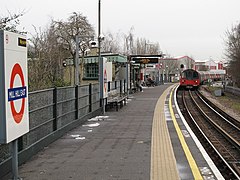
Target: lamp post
x,y
99,30
166,73
159,73
100,60
76,63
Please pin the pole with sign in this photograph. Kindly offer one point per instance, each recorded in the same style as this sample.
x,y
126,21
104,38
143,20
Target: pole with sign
x,y
14,117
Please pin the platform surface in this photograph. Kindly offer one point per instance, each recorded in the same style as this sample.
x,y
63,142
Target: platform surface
x,y
138,142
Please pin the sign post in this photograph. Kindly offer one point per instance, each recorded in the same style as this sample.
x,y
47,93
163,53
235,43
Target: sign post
x,y
14,118
103,76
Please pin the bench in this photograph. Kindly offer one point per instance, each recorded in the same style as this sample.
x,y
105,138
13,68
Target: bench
x,y
114,99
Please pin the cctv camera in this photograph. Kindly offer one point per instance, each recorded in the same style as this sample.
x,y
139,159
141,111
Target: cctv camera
x,y
101,37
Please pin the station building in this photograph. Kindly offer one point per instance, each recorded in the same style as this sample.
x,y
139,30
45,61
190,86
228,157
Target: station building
x,y
211,67
89,69
208,65
161,69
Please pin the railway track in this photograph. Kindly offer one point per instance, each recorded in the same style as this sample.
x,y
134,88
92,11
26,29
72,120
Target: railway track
x,y
219,134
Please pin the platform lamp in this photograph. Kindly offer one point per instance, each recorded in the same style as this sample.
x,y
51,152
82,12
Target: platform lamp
x,y
100,60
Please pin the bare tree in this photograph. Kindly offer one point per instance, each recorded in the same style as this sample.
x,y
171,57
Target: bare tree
x,y
144,46
76,25
11,21
153,48
111,43
46,57
232,52
66,32
48,49
128,44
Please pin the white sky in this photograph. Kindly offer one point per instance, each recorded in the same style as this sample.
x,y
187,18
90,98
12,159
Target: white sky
x,y
182,27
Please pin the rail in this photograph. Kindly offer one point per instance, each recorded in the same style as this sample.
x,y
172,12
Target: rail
x,y
214,142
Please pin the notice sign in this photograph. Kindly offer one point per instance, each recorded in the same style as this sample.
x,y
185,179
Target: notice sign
x,y
14,118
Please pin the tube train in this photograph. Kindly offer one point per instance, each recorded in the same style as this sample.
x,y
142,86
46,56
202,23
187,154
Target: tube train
x,y
192,79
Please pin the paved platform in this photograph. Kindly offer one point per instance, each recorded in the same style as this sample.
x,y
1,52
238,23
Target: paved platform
x,y
143,140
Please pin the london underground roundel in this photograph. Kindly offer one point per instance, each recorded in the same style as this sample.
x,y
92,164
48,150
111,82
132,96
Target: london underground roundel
x,y
16,93
14,109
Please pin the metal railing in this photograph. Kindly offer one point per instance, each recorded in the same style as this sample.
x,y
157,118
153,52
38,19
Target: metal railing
x,y
52,112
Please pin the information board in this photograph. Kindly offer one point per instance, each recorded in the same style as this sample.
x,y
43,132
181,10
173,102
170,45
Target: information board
x,y
14,115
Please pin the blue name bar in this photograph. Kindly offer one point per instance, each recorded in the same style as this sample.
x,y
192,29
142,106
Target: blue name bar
x,y
17,93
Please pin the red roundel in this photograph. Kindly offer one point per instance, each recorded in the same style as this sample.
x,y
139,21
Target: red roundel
x,y
17,115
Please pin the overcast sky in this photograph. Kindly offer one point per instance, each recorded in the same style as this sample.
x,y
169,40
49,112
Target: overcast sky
x,y
182,27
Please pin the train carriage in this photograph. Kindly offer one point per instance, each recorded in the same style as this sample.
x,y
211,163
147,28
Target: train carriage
x,y
214,76
190,79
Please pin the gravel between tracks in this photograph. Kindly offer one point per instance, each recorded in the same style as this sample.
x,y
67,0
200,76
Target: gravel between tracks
x,y
227,102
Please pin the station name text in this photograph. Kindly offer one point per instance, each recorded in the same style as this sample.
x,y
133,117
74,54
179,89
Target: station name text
x,y
17,93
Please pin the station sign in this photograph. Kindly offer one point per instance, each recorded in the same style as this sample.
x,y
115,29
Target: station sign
x,y
145,60
107,76
14,113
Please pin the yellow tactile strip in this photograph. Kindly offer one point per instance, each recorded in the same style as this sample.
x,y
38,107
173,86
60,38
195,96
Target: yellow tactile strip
x,y
163,162
196,173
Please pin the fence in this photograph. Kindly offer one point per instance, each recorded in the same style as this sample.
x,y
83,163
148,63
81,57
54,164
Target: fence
x,y
52,113
233,90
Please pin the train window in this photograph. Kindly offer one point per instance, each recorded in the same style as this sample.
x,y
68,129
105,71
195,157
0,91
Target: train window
x,y
195,75
190,75
183,74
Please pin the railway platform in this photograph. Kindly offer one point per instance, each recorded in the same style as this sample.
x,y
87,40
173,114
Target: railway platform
x,y
146,139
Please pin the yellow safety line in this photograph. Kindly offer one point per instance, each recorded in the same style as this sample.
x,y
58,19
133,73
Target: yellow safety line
x,y
196,173
163,162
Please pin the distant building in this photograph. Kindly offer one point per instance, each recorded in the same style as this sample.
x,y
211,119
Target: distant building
x,y
209,65
159,68
90,70
186,62
172,67
91,65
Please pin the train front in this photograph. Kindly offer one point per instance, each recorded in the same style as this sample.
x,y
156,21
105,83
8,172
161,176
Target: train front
x,y
190,79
